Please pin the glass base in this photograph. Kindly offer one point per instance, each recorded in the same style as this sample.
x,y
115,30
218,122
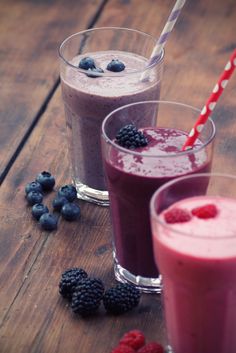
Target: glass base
x,y
86,193
145,284
169,350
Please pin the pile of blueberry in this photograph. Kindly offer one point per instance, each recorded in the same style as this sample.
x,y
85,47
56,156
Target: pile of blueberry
x,y
62,203
88,64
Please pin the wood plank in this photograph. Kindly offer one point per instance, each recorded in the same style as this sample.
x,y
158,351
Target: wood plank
x,y
34,318
30,33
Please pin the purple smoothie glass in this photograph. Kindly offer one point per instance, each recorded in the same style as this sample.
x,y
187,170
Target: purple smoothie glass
x,y
132,178
88,99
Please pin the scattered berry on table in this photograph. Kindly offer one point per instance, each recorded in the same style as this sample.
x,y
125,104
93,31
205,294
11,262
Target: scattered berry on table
x,y
70,211
48,221
68,191
206,211
46,180
69,280
33,186
122,298
34,197
87,296
134,339
58,202
122,348
130,137
87,63
92,72
38,210
177,215
116,65
151,347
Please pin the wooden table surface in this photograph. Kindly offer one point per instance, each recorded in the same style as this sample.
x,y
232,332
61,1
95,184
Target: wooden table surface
x,y
33,316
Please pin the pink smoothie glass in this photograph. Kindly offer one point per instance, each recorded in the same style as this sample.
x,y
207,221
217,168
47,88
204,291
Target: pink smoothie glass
x,y
88,97
197,261
134,175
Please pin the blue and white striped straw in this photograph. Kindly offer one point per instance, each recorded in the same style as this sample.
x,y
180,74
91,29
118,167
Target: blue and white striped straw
x,y
165,33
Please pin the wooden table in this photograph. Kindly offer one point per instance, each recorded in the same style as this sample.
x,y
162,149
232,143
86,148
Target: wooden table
x,y
33,316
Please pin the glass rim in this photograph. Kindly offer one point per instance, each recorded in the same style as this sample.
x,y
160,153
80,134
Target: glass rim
x,y
157,218
111,74
169,155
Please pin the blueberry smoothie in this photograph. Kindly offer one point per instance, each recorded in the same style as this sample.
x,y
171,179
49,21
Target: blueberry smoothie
x,y
89,97
133,176
197,258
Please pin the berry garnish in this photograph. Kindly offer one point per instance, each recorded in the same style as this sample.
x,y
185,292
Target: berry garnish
x,y
58,202
33,186
134,339
38,210
116,65
177,215
151,347
48,221
205,212
70,211
92,72
68,191
87,63
34,197
87,296
120,299
130,137
46,180
69,280
122,348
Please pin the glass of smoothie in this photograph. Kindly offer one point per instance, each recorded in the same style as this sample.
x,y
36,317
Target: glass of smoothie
x,y
133,175
101,70
194,242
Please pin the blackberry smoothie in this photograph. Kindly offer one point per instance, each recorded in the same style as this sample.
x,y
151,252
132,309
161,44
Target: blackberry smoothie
x,y
133,177
197,259
87,100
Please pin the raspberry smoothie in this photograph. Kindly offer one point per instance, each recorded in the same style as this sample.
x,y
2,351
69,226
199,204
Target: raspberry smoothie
x,y
89,99
133,177
197,259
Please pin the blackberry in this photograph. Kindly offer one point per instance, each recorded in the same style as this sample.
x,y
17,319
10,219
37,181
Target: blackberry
x,y
120,299
87,296
116,65
129,137
46,180
69,280
33,186
87,63
68,191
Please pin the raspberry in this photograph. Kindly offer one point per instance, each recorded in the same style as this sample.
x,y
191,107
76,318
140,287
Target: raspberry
x,y
177,215
151,347
122,348
206,211
134,339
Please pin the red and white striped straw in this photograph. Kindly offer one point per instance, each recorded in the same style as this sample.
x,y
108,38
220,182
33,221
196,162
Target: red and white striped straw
x,y
211,102
164,34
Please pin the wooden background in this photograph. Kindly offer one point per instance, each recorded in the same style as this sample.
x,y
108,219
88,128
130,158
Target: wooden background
x,y
33,317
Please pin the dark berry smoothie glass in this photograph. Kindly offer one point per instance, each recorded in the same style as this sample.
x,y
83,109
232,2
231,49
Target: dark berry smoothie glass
x,y
133,175
101,70
197,260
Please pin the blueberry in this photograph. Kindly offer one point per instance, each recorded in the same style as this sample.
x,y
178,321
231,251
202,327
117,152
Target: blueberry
x,y
58,202
34,197
70,211
46,180
33,186
115,65
38,209
48,221
92,72
68,191
87,63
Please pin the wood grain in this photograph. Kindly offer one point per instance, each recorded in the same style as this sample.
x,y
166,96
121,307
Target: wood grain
x,y
33,317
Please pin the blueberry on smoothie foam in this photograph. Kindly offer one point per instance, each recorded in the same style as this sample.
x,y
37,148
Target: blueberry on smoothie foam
x,y
116,65
87,63
92,72
130,137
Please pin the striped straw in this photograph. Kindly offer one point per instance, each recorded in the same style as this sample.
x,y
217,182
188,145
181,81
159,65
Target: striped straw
x,y
164,34
211,102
